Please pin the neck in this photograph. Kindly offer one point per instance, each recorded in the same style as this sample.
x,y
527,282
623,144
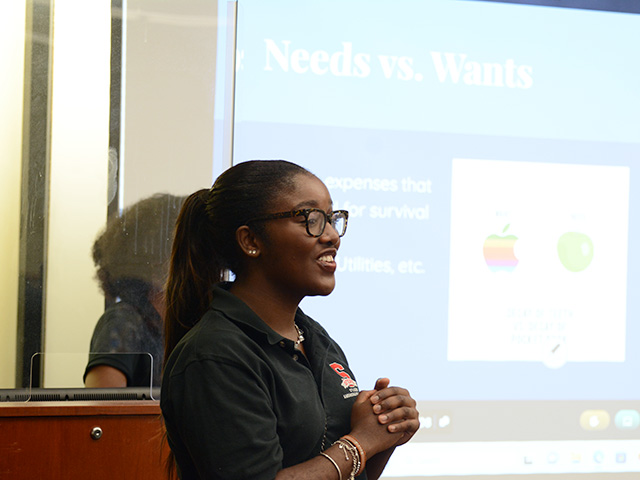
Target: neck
x,y
277,311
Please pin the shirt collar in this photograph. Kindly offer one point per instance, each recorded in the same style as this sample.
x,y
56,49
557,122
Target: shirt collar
x,y
227,304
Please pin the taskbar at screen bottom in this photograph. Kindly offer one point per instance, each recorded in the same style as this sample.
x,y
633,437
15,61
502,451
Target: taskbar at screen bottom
x,y
511,460
528,420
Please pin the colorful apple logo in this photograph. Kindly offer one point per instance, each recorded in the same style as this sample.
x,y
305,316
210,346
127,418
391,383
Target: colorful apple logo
x,y
575,251
498,252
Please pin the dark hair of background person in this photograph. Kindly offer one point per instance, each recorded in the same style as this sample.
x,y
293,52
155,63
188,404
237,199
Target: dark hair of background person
x,y
131,255
205,245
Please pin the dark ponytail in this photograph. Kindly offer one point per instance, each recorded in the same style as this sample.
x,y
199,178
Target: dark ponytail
x,y
193,269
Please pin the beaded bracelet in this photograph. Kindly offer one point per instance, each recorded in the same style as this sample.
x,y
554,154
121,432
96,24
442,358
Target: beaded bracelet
x,y
334,464
347,447
361,452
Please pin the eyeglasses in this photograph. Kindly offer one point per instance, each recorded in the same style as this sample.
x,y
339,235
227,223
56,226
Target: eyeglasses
x,y
315,219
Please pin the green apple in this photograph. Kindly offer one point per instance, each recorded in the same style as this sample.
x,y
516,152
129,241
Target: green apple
x,y
575,251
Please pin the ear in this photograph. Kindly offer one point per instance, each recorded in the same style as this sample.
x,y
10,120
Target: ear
x,y
248,241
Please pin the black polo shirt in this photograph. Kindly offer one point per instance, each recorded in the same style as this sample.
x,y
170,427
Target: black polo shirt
x,y
240,402
125,340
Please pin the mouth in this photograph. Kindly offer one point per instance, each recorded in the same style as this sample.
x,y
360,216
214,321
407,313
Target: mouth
x,y
328,259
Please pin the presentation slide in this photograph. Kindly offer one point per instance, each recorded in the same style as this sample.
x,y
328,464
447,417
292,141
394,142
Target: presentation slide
x,y
489,156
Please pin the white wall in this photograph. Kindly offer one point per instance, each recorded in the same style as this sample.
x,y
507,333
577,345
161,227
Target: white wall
x,y
12,36
170,85
78,189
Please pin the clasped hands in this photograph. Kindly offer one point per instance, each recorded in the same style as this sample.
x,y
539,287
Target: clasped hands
x,y
393,407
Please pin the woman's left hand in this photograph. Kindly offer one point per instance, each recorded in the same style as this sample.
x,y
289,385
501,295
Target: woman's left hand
x,y
395,407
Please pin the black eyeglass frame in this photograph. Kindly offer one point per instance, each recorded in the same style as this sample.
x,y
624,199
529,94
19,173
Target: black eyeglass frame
x,y
328,218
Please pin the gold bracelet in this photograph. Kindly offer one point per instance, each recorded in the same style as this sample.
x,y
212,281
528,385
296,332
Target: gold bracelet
x,y
361,452
347,447
334,464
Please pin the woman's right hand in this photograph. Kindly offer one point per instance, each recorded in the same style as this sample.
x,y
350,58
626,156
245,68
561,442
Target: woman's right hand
x,y
396,408
373,436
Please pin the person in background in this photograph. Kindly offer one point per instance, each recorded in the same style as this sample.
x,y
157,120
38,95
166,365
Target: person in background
x,y
131,256
253,387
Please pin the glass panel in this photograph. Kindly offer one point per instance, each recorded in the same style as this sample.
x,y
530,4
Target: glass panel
x,y
124,114
57,389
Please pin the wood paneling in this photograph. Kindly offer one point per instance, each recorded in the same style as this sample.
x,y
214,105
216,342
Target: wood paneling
x,y
52,440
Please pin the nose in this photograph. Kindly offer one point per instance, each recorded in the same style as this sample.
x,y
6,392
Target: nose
x,y
330,235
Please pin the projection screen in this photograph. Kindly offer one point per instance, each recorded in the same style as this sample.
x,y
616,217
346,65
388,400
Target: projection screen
x,y
488,154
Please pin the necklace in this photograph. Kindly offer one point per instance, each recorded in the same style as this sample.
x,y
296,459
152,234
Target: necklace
x,y
300,335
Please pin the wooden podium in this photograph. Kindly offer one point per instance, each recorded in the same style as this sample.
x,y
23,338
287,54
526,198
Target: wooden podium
x,y
82,440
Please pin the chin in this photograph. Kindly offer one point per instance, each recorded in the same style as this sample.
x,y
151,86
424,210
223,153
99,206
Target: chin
x,y
323,290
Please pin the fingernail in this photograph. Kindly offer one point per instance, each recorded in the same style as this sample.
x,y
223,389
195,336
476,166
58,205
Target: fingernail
x,y
377,408
375,399
384,418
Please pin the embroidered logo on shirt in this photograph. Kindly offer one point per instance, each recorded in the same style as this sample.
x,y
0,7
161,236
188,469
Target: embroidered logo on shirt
x,y
347,381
